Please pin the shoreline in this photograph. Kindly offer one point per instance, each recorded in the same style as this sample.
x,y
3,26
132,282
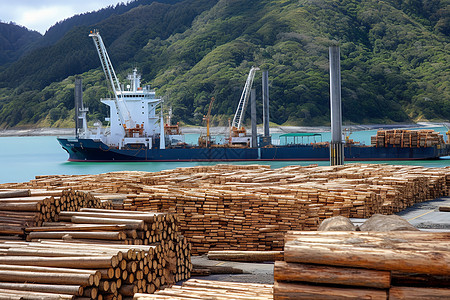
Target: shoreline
x,y
222,130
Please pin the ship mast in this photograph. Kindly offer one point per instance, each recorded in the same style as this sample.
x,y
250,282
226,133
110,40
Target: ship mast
x,y
121,107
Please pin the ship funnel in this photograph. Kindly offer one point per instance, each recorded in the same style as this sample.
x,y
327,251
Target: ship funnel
x,y
336,145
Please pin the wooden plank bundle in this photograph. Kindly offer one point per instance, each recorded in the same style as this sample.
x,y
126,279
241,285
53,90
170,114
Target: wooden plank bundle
x,y
367,265
205,289
97,239
407,138
22,208
250,207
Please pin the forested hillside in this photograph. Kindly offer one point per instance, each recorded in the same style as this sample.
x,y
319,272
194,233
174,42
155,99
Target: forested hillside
x,y
394,57
14,41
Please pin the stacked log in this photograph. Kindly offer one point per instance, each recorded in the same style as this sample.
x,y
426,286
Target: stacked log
x,y
90,225
407,138
110,242
368,265
205,289
23,208
229,207
95,271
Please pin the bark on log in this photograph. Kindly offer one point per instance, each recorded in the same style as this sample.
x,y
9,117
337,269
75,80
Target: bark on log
x,y
115,236
24,295
79,227
28,206
430,262
420,280
148,218
48,269
76,290
413,293
285,271
14,193
5,229
100,262
134,224
282,290
46,277
218,269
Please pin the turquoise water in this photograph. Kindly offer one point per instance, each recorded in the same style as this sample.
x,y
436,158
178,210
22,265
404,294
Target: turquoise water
x,y
23,158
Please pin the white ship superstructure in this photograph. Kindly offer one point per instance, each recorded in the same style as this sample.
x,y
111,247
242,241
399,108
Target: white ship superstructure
x,y
133,118
141,103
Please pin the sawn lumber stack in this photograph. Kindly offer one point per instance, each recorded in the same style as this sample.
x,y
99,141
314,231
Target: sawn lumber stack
x,y
250,207
407,138
219,290
364,265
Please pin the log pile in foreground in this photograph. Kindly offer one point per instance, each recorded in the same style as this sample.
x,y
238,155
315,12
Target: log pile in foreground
x,y
205,289
230,207
364,265
95,239
95,271
23,208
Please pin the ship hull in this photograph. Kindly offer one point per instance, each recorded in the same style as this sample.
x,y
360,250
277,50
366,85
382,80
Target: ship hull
x,y
91,150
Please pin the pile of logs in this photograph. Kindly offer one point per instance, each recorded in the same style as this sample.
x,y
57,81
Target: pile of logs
x,y
364,265
96,271
205,289
128,227
250,207
22,208
95,239
407,138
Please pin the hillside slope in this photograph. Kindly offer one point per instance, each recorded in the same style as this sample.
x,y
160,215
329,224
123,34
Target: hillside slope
x,y
15,41
394,58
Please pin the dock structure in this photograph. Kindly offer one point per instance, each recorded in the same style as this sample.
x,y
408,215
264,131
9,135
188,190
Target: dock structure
x,y
336,145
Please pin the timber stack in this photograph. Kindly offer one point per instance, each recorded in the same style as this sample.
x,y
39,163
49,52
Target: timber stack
x,y
407,138
364,265
250,207
23,208
129,227
205,289
109,242
94,271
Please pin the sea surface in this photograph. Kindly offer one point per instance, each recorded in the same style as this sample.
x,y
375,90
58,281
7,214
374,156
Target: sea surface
x,y
23,158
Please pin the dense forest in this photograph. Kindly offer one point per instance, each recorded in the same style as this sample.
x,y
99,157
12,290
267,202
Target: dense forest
x,y
394,57
15,41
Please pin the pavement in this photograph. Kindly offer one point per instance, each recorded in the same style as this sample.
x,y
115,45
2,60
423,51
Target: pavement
x,y
252,272
426,215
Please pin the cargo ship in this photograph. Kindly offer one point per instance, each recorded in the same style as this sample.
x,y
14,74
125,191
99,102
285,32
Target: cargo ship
x,y
138,133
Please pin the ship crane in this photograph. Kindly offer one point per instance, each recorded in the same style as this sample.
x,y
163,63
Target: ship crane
x,y
202,140
236,127
121,107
